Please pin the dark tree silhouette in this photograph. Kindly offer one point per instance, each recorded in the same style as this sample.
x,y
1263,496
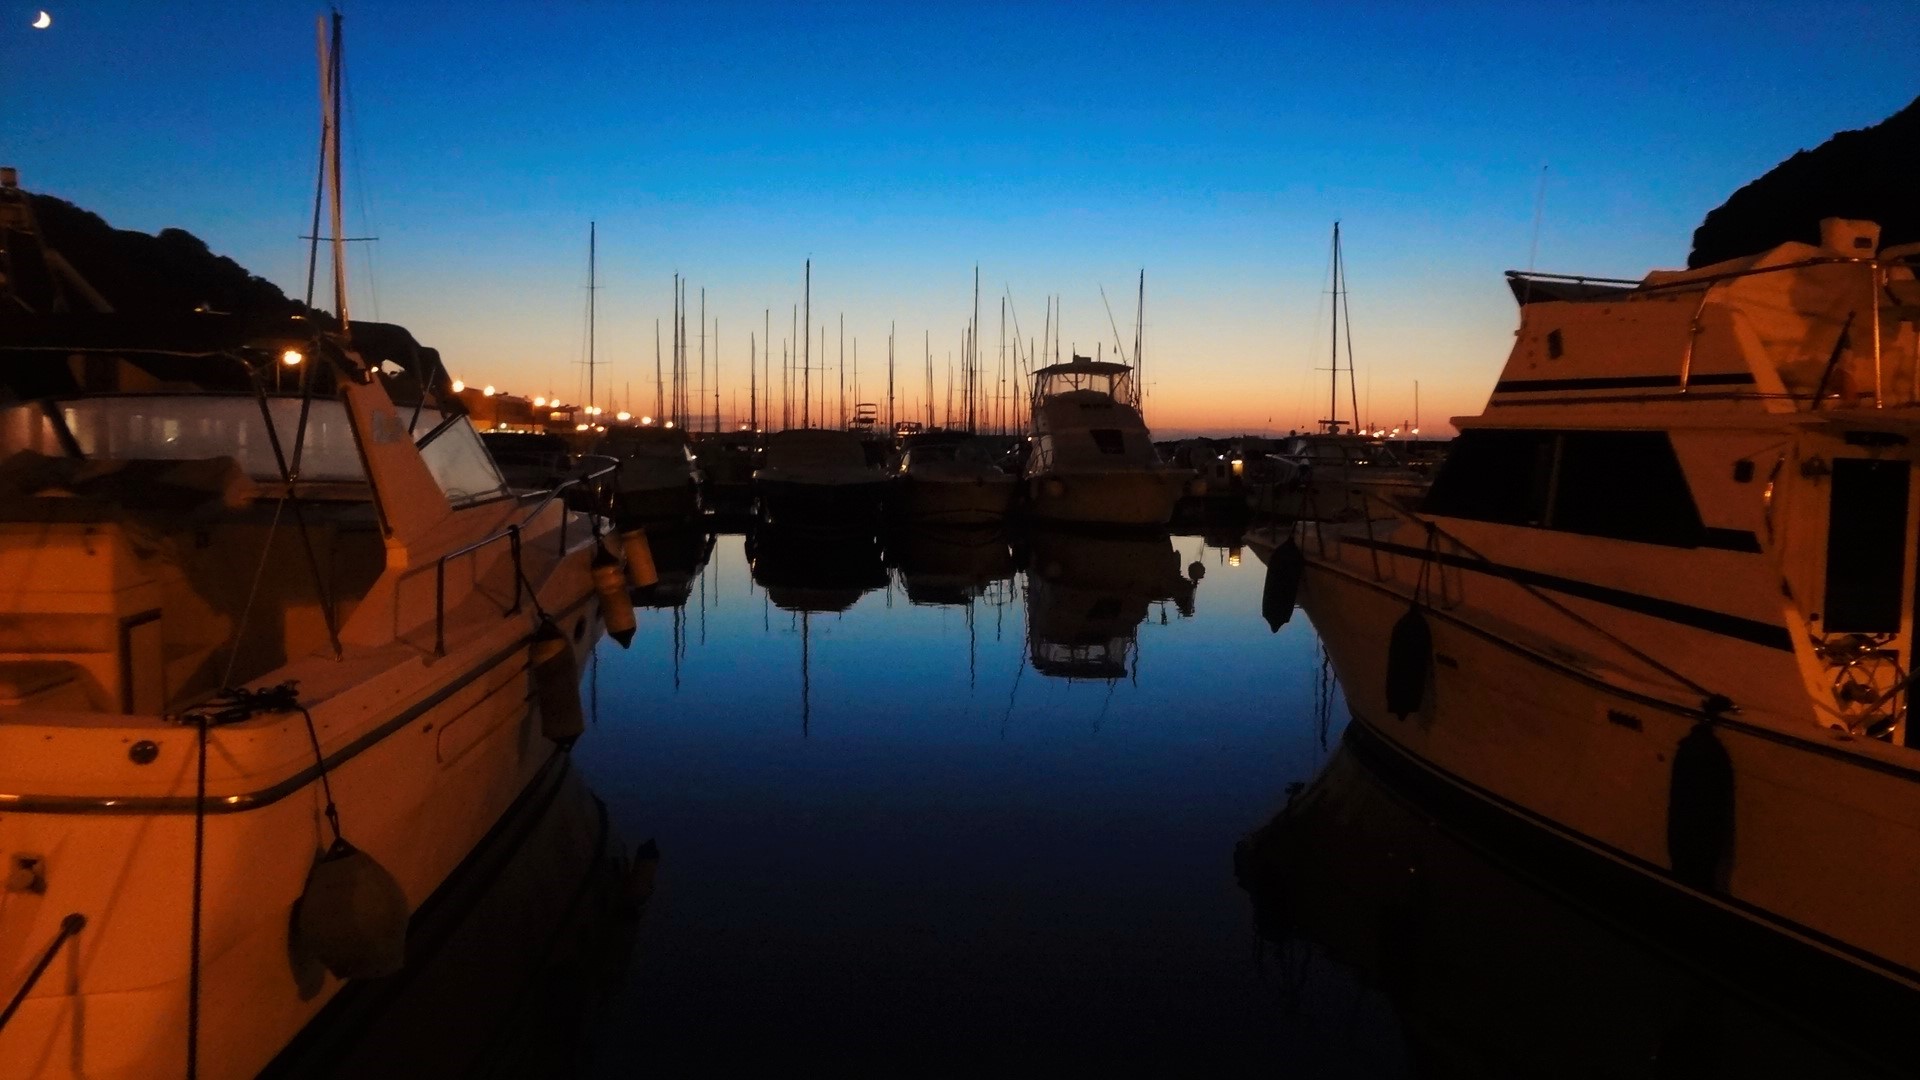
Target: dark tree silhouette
x,y
1871,173
169,272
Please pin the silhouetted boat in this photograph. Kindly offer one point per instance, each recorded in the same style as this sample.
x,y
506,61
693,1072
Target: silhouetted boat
x,y
955,480
820,481
657,478
1093,459
1659,599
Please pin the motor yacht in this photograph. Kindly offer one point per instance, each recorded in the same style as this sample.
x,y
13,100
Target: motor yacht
x,y
1093,459
1659,601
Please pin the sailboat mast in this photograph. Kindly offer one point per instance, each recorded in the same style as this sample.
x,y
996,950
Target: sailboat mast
x,y
659,387
592,241
890,424
1139,362
1333,387
806,353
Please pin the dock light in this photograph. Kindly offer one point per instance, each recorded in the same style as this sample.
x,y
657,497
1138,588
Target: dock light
x,y
1239,467
292,357
458,386
646,421
669,423
579,427
488,391
623,416
539,403
1416,431
1233,557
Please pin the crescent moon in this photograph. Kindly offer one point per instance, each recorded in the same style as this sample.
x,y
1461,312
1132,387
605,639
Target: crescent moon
x,y
45,20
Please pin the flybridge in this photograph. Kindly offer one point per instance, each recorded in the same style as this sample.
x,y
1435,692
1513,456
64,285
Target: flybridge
x,y
1798,327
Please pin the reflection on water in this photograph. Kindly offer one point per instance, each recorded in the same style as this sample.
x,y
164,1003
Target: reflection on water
x,y
966,802
1470,967
509,963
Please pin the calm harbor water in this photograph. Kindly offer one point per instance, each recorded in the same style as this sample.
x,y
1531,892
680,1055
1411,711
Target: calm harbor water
x,y
1064,804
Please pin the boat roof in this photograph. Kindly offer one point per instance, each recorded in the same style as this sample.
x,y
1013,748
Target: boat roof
x,y
1086,367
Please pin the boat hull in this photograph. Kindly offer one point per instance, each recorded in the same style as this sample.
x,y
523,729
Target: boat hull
x,y
1143,498
1811,836
418,793
972,501
834,507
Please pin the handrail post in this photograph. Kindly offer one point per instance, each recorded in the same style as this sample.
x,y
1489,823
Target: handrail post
x,y
513,540
440,607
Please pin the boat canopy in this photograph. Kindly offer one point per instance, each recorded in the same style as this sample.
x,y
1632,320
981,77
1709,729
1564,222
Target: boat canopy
x,y
1086,376
814,447
74,354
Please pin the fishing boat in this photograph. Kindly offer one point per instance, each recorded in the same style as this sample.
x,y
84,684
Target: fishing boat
x,y
1658,603
274,626
1092,458
952,480
818,480
658,479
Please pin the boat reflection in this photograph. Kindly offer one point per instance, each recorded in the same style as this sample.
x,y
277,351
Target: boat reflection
x,y
1087,596
680,552
805,573
509,963
1492,972
951,567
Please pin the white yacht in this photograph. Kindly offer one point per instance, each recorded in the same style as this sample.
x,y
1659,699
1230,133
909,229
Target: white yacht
x,y
1659,601
658,480
1092,458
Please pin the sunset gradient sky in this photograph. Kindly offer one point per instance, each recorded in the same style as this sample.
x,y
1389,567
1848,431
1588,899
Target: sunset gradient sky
x,y
1060,148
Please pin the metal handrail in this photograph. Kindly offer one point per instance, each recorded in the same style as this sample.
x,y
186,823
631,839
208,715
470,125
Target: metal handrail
x,y
512,533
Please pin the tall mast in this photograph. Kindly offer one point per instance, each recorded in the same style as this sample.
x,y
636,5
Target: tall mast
x,y
333,175
1139,364
890,423
659,387
592,240
1333,387
843,367
1346,319
700,402
806,353
973,356
753,377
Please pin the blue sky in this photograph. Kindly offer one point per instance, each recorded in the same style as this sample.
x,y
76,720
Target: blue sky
x,y
1061,148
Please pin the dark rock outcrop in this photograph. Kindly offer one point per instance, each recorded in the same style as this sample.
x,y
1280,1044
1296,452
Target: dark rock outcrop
x,y
171,271
1872,173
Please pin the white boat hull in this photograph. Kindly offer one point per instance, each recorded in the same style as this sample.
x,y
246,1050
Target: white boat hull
x,y
1824,828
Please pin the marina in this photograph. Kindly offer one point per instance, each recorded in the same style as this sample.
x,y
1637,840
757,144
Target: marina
x,y
479,661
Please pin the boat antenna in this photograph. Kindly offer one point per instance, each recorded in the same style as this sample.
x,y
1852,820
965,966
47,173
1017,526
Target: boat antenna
x,y
1118,349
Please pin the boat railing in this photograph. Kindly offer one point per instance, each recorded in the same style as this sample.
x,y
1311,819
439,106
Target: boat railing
x,y
511,534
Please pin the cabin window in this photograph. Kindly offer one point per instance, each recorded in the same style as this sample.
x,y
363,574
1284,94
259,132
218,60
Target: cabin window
x,y
1109,440
1498,476
1866,546
1625,485
183,427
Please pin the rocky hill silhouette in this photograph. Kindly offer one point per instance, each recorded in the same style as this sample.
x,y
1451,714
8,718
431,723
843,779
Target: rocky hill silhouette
x,y
1872,173
170,271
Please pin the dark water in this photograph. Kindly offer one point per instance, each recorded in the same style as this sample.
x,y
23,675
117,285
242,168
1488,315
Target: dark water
x,y
1060,805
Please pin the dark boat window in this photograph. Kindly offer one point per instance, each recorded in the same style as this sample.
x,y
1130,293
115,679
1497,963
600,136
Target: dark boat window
x,y
1494,476
1866,546
1626,485
1109,440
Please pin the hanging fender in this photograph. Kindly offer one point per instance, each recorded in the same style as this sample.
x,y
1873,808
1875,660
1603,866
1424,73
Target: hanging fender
x,y
1282,589
1700,832
352,915
1409,663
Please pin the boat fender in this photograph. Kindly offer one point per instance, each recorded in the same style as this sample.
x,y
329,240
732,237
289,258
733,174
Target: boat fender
x,y
1282,589
640,569
352,915
616,607
556,685
1196,570
1700,811
1409,663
